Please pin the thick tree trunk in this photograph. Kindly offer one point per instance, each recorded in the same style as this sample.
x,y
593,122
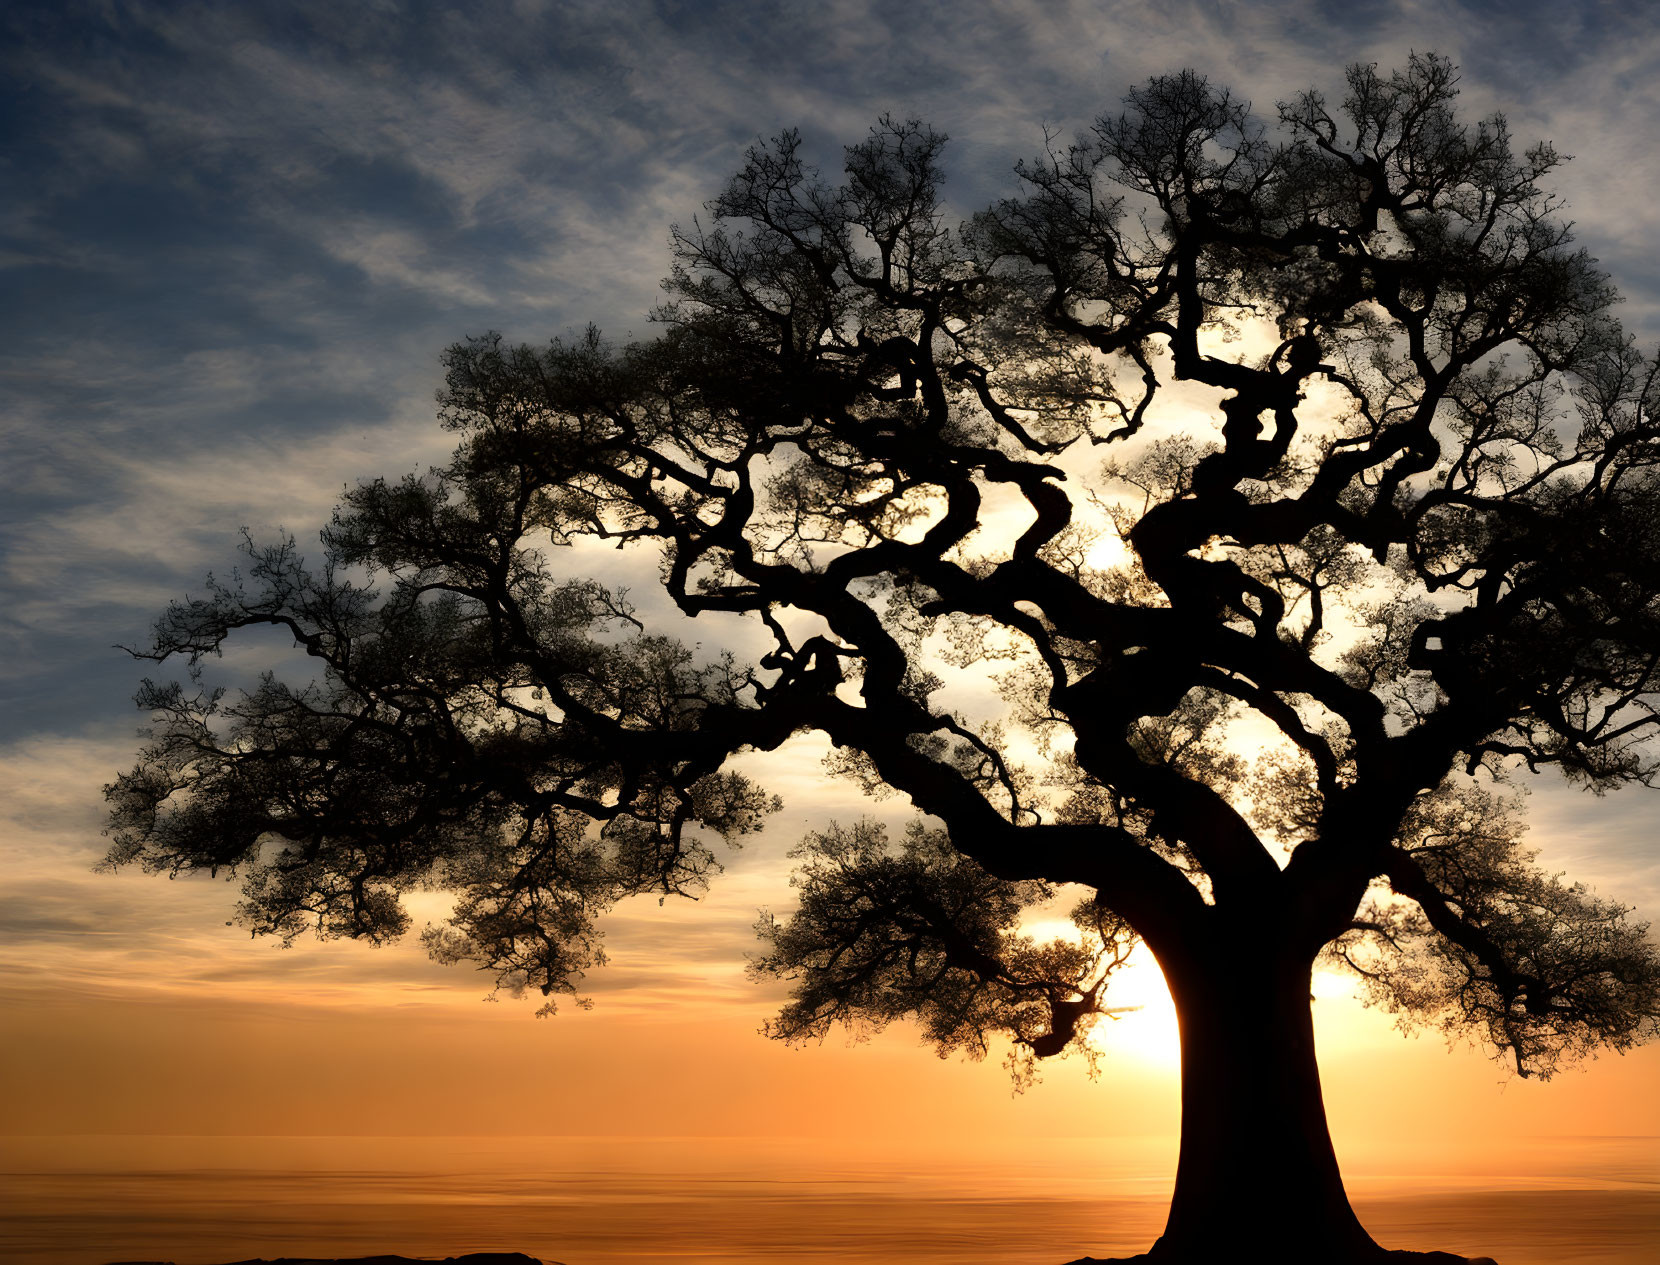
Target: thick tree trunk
x,y
1257,1171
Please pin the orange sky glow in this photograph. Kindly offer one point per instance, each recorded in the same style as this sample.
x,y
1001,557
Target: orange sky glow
x,y
165,1020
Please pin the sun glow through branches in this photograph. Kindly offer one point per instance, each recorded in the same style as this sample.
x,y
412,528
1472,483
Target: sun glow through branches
x,y
1143,1024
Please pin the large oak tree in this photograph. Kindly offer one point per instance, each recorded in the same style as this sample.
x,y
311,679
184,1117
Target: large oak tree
x,y
1294,484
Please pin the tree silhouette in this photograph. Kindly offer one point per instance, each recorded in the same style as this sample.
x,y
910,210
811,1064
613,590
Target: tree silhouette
x,y
1378,532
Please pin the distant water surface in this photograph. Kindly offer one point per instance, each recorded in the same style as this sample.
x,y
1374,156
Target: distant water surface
x,y
653,1201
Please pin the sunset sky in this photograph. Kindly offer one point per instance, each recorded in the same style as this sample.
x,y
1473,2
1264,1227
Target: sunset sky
x,y
235,239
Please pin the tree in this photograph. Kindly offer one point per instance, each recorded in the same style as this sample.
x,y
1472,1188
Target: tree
x,y
1380,532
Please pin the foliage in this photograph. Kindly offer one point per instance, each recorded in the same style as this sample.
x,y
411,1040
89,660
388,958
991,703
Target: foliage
x,y
1382,506
930,934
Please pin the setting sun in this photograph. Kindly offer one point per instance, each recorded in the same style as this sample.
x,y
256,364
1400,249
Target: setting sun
x,y
1145,1029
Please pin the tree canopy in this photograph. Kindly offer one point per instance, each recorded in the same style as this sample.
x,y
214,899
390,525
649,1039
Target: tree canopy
x,y
1293,482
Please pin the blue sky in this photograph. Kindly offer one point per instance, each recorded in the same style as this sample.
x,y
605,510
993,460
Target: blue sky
x,y
235,237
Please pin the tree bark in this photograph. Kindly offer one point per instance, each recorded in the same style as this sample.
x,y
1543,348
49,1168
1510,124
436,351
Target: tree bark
x,y
1257,1171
